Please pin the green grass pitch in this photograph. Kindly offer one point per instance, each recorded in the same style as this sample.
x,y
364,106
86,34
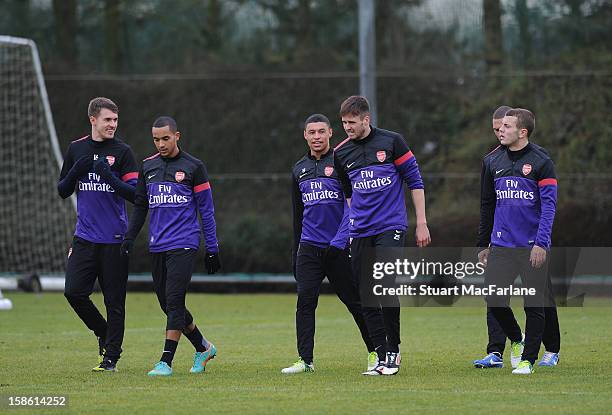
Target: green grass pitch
x,y
46,350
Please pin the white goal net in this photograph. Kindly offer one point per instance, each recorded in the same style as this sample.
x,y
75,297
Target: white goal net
x,y
35,223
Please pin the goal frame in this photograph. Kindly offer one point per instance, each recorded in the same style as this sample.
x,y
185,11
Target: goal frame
x,y
44,97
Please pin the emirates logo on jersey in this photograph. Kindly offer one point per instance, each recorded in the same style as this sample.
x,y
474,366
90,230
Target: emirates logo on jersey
x,y
179,176
381,155
526,169
328,170
111,160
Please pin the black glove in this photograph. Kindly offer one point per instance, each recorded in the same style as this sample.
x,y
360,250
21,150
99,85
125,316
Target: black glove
x,y
83,165
126,247
332,253
213,264
102,167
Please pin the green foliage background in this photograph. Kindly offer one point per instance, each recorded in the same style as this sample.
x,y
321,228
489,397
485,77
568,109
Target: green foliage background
x,y
241,76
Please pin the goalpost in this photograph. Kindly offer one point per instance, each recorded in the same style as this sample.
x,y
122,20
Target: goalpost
x,y
35,223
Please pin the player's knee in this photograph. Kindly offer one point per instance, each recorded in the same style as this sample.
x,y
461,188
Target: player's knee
x,y
115,309
307,292
114,302
73,297
163,306
535,311
371,312
175,303
176,309
176,320
497,301
307,301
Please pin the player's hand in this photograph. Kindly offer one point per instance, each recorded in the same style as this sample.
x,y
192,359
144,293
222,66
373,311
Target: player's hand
x,y
213,263
126,247
537,257
83,165
483,256
332,253
102,167
422,235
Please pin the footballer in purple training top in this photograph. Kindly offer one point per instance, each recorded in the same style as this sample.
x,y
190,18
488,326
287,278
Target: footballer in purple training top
x,y
101,169
373,164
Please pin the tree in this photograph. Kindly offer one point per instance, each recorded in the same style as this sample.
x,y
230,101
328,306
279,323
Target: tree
x,y
113,51
522,18
214,23
492,34
65,14
19,12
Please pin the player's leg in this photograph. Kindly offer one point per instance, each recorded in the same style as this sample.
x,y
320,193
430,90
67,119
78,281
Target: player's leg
x,y
362,256
194,335
534,329
179,265
502,269
179,268
340,275
496,345
309,275
391,313
552,333
113,281
534,278
551,338
204,349
497,338
160,273
81,274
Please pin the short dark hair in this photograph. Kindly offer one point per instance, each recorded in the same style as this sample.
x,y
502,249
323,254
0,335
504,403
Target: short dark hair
x,y
316,118
165,121
500,112
355,105
524,119
97,104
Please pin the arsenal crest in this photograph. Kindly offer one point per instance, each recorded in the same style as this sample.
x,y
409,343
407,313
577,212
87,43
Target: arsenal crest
x,y
381,155
179,176
111,160
329,170
526,169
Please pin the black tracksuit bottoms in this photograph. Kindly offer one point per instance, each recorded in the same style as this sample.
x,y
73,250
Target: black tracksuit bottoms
x,y
86,262
311,268
551,337
383,323
504,264
172,271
